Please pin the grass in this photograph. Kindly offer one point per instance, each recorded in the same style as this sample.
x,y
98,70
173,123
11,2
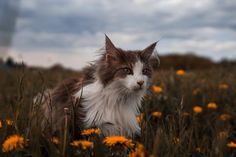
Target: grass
x,y
170,124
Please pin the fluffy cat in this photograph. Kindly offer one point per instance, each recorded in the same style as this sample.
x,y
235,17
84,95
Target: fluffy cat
x,y
108,95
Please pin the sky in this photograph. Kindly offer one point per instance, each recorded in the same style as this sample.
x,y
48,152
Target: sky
x,y
69,32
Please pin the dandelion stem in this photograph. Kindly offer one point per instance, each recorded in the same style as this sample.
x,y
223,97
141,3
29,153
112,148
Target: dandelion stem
x,y
66,111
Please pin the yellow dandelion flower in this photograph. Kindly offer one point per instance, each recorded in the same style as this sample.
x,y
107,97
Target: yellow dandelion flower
x,y
13,142
147,97
198,149
196,91
180,72
197,109
185,114
231,144
222,135
156,89
139,118
91,131
0,124
223,86
212,105
138,152
116,140
9,122
55,140
83,144
156,114
176,140
224,117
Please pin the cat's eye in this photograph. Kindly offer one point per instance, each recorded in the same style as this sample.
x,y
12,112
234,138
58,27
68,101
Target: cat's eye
x,y
127,71
146,71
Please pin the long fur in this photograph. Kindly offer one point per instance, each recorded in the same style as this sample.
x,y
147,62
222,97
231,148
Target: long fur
x,y
113,109
105,96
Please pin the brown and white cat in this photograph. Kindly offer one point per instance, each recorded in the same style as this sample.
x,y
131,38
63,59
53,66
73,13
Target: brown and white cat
x,y
109,93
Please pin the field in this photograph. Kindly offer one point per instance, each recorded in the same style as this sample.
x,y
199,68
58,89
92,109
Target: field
x,y
185,113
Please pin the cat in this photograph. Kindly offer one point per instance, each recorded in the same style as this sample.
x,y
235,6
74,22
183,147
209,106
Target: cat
x,y
108,95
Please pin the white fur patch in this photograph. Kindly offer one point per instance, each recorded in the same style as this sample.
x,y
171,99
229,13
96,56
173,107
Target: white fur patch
x,y
113,108
131,80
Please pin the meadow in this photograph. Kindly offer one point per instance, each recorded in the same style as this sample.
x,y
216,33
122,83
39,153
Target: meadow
x,y
185,113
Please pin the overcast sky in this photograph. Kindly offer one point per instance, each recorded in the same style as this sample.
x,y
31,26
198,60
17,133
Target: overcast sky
x,y
70,31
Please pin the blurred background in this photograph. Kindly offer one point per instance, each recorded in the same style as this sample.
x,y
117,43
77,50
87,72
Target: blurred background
x,y
46,33
190,107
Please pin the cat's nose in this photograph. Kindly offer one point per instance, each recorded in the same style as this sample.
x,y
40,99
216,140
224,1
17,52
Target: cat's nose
x,y
140,83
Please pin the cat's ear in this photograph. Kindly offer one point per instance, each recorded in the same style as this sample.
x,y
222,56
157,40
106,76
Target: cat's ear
x,y
112,54
147,52
154,62
109,45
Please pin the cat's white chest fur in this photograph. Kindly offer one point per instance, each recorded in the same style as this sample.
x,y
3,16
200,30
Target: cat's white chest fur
x,y
112,108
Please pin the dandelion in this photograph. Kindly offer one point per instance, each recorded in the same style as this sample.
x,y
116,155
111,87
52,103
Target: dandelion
x,y
9,122
83,144
180,72
185,114
0,124
223,86
13,142
91,131
196,91
231,144
224,117
156,89
223,135
55,140
176,140
212,106
147,97
156,114
118,140
197,109
138,152
139,118
198,149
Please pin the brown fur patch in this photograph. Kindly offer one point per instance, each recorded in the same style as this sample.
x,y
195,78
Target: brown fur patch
x,y
63,97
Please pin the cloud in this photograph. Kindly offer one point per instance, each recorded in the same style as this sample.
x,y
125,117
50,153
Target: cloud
x,y
70,28
8,14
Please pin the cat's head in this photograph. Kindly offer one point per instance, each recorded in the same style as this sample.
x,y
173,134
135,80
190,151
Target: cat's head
x,y
131,70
